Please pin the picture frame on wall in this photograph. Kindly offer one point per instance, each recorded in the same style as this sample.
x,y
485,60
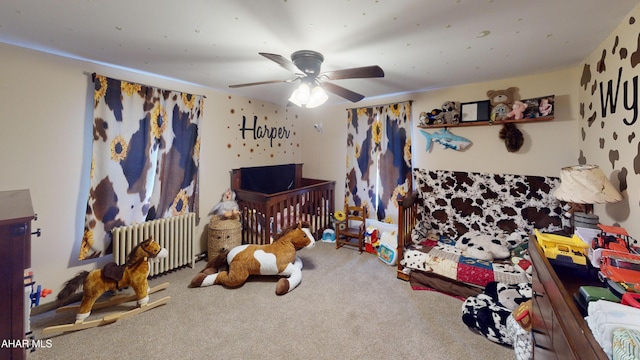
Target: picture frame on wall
x,y
476,111
539,107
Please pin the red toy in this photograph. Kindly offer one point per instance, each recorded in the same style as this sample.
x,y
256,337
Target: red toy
x,y
371,241
631,299
621,267
613,238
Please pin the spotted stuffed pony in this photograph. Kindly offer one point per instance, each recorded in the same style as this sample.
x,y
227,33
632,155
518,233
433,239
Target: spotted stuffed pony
x,y
232,268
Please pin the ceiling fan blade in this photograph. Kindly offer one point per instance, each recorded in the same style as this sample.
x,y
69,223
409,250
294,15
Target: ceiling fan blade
x,y
340,91
282,61
355,73
262,83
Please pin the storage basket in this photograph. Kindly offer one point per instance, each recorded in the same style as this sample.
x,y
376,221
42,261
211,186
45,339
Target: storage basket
x,y
224,234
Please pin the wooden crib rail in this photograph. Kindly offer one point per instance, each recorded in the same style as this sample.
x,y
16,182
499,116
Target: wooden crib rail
x,y
264,214
407,220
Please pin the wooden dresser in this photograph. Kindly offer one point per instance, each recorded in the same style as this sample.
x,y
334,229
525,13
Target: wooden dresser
x,y
559,331
16,214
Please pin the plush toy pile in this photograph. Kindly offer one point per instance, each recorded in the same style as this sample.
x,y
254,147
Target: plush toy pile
x,y
491,314
504,107
449,113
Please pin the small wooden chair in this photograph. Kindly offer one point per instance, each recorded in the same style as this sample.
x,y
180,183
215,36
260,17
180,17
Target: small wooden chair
x,y
353,227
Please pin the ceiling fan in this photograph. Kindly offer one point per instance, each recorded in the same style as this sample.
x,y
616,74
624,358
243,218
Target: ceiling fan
x,y
305,64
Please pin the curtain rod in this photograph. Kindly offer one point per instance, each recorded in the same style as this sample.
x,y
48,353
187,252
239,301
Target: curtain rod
x,y
379,105
93,79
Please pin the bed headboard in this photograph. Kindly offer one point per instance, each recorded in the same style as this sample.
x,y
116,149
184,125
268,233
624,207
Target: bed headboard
x,y
267,179
455,202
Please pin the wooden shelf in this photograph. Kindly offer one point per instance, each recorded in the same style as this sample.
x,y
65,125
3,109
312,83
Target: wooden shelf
x,y
487,122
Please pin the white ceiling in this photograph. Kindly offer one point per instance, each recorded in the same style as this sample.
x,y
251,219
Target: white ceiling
x,y
420,44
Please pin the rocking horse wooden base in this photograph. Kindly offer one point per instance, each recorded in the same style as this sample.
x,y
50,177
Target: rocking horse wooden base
x,y
114,300
109,319
123,315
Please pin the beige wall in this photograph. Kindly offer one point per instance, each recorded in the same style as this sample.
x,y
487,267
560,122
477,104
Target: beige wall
x,y
45,146
548,146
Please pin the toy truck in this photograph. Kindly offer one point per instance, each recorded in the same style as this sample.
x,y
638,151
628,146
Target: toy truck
x,y
613,238
622,268
569,250
610,238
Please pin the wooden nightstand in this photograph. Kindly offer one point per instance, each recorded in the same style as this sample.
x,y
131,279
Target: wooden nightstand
x,y
16,213
559,331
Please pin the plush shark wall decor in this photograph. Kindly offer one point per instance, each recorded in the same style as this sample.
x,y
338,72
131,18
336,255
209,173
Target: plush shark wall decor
x,y
445,138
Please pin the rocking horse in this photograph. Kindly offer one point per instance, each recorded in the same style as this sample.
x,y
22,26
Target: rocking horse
x,y
233,267
112,277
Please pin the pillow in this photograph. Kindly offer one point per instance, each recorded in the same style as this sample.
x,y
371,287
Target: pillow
x,y
489,246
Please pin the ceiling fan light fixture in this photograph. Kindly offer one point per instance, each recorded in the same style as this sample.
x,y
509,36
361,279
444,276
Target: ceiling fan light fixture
x,y
317,98
301,95
306,64
304,96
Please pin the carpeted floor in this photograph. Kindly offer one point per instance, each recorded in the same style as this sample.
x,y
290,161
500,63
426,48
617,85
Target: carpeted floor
x,y
348,306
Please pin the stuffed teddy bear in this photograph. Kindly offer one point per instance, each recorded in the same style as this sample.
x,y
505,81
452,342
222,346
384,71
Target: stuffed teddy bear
x,y
501,102
424,118
518,109
451,112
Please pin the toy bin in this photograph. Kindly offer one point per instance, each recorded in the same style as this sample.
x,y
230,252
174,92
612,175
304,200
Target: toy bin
x,y
224,234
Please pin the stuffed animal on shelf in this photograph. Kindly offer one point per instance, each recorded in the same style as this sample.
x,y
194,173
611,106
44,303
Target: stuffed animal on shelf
x,y
501,102
447,114
451,112
435,117
423,118
227,208
518,109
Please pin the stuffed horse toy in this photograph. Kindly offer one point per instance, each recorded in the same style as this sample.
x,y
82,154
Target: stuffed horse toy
x,y
277,258
134,273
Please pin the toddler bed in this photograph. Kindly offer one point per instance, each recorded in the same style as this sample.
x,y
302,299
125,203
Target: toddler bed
x,y
451,210
272,197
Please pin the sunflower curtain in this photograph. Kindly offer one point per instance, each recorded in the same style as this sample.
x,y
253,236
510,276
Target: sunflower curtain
x,y
145,159
378,158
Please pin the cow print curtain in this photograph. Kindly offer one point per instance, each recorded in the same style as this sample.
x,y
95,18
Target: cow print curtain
x,y
378,158
145,159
